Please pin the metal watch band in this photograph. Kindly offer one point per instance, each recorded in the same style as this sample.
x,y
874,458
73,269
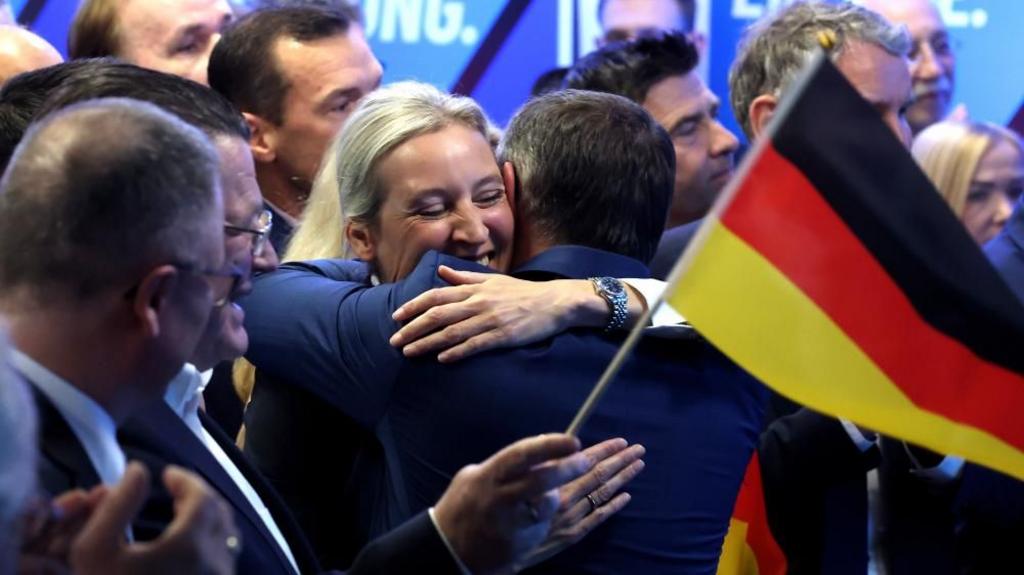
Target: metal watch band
x,y
614,293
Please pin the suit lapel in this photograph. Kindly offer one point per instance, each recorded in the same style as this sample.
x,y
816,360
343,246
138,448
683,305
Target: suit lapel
x,y
65,464
290,529
178,439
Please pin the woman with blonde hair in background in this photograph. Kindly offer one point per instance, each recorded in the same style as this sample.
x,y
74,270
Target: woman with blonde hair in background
x,y
978,169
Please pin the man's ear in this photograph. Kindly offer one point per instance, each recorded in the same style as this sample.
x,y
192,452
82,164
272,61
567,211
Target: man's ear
x,y
151,297
361,241
262,138
508,178
761,110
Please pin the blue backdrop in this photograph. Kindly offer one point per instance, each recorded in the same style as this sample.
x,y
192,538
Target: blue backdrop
x,y
495,49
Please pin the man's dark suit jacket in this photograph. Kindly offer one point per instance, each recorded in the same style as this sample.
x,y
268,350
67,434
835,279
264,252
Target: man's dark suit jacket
x,y
990,505
158,437
697,413
815,484
63,463
671,247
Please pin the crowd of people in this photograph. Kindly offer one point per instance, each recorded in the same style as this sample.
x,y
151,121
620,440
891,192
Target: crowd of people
x,y
423,300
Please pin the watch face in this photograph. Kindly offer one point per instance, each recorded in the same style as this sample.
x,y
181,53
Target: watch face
x,y
611,285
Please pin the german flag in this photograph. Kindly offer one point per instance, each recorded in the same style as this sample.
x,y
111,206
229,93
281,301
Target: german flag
x,y
749,547
832,270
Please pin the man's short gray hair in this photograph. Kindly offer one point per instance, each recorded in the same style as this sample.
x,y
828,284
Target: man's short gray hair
x,y
775,48
98,193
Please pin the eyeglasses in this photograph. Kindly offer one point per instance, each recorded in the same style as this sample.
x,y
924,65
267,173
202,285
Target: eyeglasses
x,y
264,223
223,282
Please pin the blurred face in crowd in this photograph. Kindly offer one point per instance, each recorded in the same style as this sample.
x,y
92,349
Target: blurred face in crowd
x,y
442,191
628,19
995,188
326,80
883,80
22,51
225,337
172,36
932,60
688,111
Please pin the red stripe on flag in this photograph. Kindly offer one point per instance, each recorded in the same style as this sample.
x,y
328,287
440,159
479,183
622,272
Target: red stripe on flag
x,y
779,213
750,508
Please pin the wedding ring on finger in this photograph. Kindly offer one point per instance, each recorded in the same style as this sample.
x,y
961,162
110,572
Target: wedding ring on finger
x,y
593,502
234,544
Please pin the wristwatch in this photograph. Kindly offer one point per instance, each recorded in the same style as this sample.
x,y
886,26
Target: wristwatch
x,y
614,293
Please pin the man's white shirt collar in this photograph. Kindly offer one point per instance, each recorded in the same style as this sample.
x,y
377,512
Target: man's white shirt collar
x,y
184,394
90,423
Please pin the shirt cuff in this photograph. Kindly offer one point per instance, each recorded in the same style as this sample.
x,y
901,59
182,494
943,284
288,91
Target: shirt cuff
x,y
462,567
862,443
947,470
652,290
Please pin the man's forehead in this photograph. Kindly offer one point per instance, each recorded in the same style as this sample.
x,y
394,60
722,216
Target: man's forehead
x,y
341,60
921,17
642,14
875,73
679,95
170,16
238,178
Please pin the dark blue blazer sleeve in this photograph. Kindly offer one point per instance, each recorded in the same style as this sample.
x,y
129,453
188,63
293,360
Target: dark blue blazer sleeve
x,y
308,325
413,547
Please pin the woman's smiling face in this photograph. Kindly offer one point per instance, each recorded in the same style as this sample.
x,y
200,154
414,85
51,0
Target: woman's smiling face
x,y
441,191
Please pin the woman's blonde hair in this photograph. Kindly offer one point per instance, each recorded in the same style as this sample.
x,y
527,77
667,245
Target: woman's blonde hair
x,y
346,187
949,153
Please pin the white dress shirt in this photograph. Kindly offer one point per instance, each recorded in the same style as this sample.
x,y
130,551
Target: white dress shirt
x,y
183,397
90,423
652,290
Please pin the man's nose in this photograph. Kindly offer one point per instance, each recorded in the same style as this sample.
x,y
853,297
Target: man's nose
x,y
723,141
926,66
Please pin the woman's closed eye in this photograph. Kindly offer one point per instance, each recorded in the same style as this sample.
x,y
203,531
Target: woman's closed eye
x,y
488,198
431,209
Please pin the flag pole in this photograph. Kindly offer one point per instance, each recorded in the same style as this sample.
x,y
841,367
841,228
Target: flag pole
x,y
613,369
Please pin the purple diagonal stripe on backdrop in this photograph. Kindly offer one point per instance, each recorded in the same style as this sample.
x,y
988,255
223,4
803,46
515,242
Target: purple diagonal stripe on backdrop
x,y
488,49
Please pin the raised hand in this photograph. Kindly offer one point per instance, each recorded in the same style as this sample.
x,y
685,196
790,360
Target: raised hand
x,y
494,513
590,500
201,539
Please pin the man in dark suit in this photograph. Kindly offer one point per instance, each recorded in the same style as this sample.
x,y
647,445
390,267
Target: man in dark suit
x,y
578,162
111,252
